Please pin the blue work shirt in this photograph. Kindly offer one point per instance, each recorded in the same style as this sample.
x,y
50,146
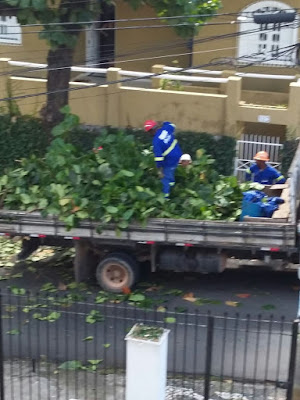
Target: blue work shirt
x,y
267,176
167,151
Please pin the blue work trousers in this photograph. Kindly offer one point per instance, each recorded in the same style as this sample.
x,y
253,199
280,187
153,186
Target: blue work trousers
x,y
168,180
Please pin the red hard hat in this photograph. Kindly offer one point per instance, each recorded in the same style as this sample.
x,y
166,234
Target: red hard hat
x,y
262,156
149,124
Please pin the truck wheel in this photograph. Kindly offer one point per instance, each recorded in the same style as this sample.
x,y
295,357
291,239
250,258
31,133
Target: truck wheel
x,y
116,272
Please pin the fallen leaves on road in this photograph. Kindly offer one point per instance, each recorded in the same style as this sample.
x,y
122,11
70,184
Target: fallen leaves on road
x,y
61,286
88,338
232,303
190,297
243,295
268,307
153,289
170,320
203,301
126,290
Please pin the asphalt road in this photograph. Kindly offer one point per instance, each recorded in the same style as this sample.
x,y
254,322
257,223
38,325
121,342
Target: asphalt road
x,y
249,347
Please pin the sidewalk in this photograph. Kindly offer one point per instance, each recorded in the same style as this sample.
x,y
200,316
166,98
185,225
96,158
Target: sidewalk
x,y
48,383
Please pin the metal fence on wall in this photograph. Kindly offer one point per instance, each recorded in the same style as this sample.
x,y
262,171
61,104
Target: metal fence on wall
x,y
56,347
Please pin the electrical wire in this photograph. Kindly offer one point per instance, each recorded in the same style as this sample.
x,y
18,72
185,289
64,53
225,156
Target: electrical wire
x,y
121,28
223,62
203,15
150,58
281,51
196,41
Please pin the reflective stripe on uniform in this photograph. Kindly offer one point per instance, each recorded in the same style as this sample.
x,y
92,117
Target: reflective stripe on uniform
x,y
248,171
159,158
279,178
172,183
169,149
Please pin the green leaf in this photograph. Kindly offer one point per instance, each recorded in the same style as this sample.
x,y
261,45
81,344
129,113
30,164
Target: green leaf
x,y
175,292
11,308
123,224
106,345
88,338
18,275
48,287
18,291
25,198
268,307
12,3
25,3
180,309
64,202
112,210
94,316
128,214
126,173
39,5
170,320
13,332
95,362
71,365
136,297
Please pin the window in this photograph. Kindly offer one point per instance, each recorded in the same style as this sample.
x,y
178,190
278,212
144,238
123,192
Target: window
x,y
265,43
10,31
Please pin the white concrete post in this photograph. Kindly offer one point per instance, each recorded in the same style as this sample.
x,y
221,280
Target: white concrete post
x,y
146,367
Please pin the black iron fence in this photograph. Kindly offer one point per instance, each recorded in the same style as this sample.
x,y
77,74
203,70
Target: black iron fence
x,y
54,347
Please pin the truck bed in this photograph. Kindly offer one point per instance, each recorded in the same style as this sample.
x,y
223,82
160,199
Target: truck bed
x,y
213,234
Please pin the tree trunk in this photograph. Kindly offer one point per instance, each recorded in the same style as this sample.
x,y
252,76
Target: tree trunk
x,y
59,74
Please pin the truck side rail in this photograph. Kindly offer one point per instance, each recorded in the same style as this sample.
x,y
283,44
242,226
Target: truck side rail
x,y
294,183
216,234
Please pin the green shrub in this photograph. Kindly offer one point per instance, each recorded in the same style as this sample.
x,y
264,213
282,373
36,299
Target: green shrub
x,y
288,152
20,137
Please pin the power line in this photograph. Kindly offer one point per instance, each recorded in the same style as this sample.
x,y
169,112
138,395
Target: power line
x,y
223,62
196,41
119,28
197,52
215,63
203,15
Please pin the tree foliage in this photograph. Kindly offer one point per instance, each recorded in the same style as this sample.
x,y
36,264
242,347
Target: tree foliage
x,y
116,183
49,12
62,21
202,10
52,12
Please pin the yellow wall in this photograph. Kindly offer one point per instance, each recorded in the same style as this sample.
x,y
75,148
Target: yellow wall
x,y
122,106
146,43
205,52
32,48
191,111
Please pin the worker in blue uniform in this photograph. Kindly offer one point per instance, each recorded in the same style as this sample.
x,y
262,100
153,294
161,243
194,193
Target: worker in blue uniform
x,y
262,173
167,152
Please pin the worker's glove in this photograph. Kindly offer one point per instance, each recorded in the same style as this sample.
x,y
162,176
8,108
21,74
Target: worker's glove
x,y
160,174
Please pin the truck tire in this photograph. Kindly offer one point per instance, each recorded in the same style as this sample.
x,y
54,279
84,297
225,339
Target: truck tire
x,y
116,272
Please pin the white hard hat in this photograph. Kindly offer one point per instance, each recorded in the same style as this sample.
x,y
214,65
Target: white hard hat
x,y
185,157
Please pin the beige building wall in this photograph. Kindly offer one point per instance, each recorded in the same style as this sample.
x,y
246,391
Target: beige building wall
x,y
122,106
32,48
206,51
147,46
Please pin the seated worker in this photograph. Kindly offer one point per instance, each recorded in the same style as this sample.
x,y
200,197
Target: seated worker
x,y
262,173
185,160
